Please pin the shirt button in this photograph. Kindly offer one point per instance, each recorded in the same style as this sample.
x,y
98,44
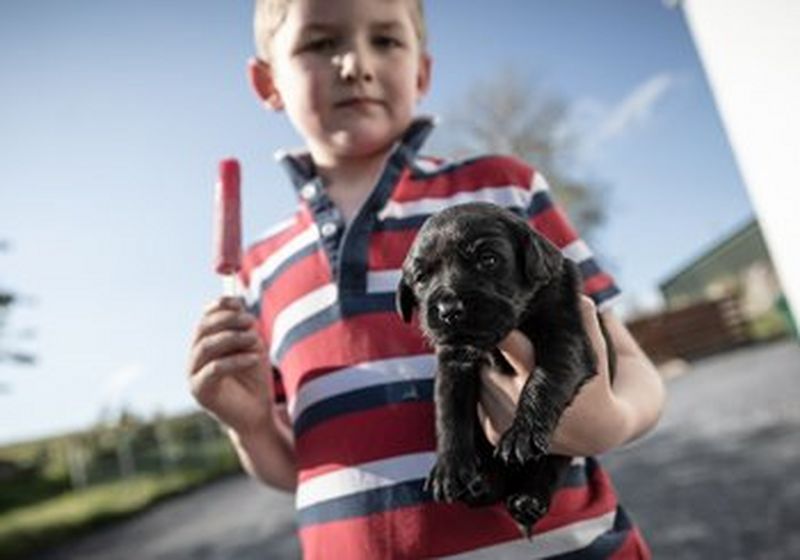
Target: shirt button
x,y
308,192
328,229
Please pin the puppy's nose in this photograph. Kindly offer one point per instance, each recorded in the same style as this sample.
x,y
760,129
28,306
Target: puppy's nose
x,y
451,311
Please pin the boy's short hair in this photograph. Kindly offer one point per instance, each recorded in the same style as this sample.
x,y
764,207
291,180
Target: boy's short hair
x,y
270,14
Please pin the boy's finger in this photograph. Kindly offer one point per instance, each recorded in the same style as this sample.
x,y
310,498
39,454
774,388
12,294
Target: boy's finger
x,y
591,322
225,302
222,367
222,344
223,319
519,352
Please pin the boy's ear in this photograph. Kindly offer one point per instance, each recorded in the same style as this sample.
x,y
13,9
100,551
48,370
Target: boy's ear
x,y
424,74
263,83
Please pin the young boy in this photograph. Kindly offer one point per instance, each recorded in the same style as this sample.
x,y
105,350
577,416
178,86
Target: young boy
x,y
324,390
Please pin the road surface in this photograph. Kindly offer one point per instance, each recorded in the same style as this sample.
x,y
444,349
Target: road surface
x,y
717,479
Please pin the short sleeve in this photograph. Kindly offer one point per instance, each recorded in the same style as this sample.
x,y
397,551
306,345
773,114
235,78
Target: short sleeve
x,y
547,218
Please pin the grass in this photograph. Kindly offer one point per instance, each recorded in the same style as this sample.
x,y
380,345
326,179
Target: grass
x,y
25,529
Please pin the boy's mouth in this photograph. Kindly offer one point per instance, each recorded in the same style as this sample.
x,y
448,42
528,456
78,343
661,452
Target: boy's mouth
x,y
357,103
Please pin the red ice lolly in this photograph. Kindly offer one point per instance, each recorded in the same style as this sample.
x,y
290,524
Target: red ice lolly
x,y
228,224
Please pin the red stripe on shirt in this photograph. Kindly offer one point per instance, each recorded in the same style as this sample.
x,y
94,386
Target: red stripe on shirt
x,y
343,344
493,171
448,529
321,450
597,283
387,249
552,224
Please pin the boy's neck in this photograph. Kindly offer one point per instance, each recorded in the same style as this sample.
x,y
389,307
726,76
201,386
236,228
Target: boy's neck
x,y
349,181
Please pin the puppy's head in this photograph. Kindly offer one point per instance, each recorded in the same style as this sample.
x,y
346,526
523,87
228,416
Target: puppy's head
x,y
472,271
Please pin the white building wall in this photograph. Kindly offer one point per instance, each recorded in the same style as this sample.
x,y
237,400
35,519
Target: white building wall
x,y
751,53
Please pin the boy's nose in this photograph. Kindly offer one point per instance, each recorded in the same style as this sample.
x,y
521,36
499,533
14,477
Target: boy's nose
x,y
353,66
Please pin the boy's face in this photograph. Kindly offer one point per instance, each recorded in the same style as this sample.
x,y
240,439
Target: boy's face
x,y
348,73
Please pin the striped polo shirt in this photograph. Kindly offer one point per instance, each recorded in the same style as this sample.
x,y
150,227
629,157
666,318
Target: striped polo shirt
x,y
357,381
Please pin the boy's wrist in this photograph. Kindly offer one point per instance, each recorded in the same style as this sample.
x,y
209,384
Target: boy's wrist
x,y
580,434
256,429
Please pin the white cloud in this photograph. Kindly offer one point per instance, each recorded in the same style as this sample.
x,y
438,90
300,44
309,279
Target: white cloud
x,y
636,108
602,124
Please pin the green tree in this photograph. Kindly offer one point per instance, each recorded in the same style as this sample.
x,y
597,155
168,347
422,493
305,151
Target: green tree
x,y
8,353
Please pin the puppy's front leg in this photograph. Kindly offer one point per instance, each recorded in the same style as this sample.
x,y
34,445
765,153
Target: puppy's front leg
x,y
563,365
457,472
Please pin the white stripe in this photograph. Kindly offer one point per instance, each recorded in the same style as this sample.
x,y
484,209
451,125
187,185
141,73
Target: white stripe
x,y
539,183
366,374
544,545
383,280
577,251
300,310
363,478
263,271
609,303
502,196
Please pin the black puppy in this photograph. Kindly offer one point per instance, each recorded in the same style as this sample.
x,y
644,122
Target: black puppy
x,y
476,271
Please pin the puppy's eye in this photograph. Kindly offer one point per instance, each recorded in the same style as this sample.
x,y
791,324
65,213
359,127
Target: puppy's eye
x,y
419,277
487,262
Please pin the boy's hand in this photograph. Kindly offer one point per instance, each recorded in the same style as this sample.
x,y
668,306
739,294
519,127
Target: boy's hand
x,y
229,372
594,408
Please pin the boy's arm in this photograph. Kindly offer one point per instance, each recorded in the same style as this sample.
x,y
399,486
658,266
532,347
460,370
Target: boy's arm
x,y
602,416
267,452
230,377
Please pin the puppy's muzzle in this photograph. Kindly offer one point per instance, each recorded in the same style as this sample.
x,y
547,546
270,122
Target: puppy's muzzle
x,y
450,310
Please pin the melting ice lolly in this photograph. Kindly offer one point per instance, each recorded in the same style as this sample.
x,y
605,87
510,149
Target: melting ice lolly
x,y
228,225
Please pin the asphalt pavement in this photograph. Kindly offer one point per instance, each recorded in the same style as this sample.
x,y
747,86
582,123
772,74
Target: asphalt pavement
x,y
718,479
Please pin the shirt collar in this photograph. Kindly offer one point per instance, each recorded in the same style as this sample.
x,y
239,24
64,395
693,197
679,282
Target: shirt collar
x,y
301,169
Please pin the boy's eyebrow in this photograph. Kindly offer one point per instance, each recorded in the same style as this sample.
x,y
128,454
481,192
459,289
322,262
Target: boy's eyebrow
x,y
321,27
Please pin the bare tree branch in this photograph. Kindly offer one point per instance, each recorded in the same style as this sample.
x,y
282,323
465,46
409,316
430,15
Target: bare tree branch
x,y
505,116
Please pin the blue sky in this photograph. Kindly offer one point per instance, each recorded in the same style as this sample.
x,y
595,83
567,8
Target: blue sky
x,y
113,116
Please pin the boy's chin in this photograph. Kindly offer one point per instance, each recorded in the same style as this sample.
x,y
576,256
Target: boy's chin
x,y
361,143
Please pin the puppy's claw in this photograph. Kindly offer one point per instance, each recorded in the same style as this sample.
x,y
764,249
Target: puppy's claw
x,y
449,481
521,445
526,511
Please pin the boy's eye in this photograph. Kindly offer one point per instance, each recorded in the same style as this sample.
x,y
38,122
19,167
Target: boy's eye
x,y
320,45
386,42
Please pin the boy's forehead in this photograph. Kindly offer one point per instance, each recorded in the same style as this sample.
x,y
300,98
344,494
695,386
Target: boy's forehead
x,y
321,13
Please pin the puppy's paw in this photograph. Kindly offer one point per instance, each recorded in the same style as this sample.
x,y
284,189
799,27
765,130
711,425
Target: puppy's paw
x,y
521,444
526,511
452,480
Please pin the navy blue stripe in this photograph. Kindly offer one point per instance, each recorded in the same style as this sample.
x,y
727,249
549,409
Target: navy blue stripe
x,y
300,168
589,268
358,304
398,224
364,503
578,475
349,305
316,322
405,494
605,295
364,399
606,544
540,202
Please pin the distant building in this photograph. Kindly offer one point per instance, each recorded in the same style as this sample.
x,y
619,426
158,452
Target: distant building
x,y
738,266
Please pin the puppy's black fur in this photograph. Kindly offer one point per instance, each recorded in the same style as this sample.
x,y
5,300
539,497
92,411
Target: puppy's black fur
x,y
475,272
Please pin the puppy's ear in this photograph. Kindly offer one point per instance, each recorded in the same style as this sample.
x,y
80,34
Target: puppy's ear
x,y
542,260
405,301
